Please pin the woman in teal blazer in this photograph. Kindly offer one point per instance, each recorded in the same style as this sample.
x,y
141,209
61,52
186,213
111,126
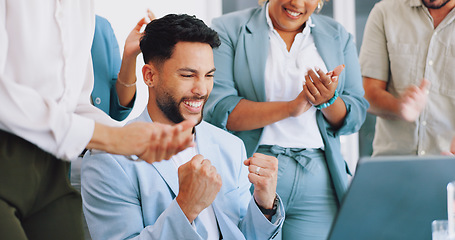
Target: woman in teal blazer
x,y
106,67
114,90
239,88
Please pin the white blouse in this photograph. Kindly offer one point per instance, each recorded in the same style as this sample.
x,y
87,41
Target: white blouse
x,y
284,78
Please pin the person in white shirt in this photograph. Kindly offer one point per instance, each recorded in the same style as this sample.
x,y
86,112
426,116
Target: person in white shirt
x,y
46,116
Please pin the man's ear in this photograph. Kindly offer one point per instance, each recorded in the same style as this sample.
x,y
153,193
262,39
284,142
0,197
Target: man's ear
x,y
150,74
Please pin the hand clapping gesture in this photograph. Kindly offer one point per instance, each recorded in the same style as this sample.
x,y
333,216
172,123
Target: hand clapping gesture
x,y
316,90
320,89
151,142
413,100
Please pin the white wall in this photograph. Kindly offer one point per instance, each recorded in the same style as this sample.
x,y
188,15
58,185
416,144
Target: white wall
x,y
123,16
344,13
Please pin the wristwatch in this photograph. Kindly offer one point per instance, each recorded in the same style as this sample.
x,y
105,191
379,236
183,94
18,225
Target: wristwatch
x,y
272,211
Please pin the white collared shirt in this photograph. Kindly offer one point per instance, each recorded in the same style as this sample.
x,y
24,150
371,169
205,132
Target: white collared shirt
x,y
46,75
284,78
207,216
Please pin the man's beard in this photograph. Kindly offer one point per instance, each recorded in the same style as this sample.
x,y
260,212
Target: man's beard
x,y
431,6
170,107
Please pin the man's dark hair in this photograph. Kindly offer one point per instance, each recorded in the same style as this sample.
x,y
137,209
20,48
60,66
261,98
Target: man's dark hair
x,y
160,36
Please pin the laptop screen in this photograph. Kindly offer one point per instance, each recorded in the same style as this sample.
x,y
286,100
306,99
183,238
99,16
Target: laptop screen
x,y
395,198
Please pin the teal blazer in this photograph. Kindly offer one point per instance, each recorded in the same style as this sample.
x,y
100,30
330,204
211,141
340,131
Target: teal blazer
x,y
240,68
106,65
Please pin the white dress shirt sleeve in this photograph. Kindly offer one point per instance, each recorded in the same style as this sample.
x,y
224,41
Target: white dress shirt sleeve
x,y
46,74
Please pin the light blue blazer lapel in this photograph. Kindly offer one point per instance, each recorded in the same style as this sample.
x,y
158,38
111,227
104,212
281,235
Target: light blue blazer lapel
x,y
326,43
200,229
256,47
207,147
228,229
166,169
170,175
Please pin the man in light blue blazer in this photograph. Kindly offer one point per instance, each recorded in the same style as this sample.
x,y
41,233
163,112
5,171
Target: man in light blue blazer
x,y
200,193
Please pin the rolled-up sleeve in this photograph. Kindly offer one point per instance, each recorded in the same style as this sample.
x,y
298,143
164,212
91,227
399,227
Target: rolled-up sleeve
x,y
353,92
224,96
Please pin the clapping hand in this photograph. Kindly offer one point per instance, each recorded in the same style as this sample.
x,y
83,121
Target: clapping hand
x,y
413,100
320,88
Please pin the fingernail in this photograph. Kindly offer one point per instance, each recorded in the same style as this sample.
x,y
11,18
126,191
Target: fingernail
x,y
335,78
317,69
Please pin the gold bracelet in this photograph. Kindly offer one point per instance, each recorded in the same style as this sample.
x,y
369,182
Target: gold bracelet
x,y
126,84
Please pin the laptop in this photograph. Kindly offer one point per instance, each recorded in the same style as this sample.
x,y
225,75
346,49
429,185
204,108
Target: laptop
x,y
394,198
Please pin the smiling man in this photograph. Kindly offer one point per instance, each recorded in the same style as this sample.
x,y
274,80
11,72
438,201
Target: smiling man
x,y
201,193
407,45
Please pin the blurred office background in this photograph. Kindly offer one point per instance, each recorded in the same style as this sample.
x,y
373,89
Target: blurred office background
x,y
124,15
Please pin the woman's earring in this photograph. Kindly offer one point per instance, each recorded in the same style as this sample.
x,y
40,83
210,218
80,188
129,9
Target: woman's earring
x,y
320,4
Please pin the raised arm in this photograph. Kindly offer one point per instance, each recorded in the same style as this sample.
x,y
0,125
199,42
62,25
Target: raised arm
x,y
126,82
262,173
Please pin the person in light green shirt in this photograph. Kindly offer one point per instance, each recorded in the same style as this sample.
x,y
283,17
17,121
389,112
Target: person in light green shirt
x,y
407,58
